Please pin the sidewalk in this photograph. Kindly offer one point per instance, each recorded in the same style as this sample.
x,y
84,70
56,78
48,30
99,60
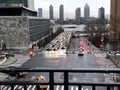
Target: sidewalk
x,y
18,59
101,56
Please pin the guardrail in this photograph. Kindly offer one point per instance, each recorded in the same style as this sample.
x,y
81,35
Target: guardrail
x,y
66,81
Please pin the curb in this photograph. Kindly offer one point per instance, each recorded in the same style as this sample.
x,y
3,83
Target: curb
x,y
10,61
3,61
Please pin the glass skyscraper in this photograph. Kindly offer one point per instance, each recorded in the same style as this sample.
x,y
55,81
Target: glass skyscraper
x,y
13,3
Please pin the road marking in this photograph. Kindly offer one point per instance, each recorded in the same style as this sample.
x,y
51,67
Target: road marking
x,y
76,88
33,87
29,87
8,88
57,88
20,87
62,88
48,88
15,87
72,88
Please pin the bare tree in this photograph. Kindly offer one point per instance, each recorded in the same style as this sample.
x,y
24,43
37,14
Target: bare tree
x,y
97,29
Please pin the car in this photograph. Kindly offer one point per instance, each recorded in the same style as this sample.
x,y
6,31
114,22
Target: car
x,y
49,47
14,73
89,51
41,87
80,53
55,48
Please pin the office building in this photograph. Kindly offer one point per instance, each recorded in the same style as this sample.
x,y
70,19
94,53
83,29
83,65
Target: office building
x,y
101,13
19,26
77,15
31,4
23,31
13,3
115,20
61,13
17,11
51,12
17,3
39,13
86,11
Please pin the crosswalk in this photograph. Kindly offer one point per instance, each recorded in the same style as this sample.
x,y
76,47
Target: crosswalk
x,y
33,87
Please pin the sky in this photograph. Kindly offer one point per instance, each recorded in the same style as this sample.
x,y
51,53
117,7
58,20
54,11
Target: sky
x,y
71,5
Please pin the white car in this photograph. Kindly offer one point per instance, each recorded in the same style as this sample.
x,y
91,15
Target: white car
x,y
80,53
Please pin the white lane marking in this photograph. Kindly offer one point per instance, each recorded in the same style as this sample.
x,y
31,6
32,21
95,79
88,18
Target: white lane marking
x,y
33,87
4,88
9,88
29,87
57,88
72,88
76,88
15,87
20,87
62,88
48,88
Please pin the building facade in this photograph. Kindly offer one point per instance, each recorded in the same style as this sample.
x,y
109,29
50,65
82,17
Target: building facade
x,y
16,11
13,3
51,16
86,11
31,4
78,15
17,3
101,13
61,13
39,13
22,31
115,20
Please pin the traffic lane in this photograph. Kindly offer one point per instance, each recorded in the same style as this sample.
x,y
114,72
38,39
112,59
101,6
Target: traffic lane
x,y
70,61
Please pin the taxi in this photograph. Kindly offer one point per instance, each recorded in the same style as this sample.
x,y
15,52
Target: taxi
x,y
41,87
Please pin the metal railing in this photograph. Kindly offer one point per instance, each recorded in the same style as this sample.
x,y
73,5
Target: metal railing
x,y
66,83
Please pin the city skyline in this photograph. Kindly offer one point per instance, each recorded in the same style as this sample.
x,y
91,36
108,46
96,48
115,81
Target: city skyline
x,y
70,7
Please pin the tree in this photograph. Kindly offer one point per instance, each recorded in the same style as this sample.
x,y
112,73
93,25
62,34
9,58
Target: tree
x,y
97,29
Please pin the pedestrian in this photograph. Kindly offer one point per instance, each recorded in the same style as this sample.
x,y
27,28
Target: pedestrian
x,y
31,53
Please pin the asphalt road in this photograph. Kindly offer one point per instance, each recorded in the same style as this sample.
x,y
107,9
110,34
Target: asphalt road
x,y
58,59
51,59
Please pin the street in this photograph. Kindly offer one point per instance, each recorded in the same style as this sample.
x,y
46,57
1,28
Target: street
x,y
71,60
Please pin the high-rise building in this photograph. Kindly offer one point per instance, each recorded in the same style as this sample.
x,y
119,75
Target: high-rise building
x,y
77,15
13,3
31,4
101,13
51,12
115,20
39,13
17,3
61,13
86,11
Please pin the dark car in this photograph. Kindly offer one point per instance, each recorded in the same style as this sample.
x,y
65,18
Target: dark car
x,y
14,73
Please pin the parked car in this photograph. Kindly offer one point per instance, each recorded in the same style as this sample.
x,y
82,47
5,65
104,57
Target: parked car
x,y
14,73
113,54
80,53
41,87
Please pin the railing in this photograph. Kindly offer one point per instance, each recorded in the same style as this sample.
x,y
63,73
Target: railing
x,y
66,82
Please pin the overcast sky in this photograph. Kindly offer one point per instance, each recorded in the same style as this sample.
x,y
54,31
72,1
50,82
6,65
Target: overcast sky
x,y
71,5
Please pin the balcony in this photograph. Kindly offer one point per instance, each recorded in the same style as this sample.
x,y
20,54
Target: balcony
x,y
66,82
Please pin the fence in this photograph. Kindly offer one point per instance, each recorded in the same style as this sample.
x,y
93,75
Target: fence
x,y
66,82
